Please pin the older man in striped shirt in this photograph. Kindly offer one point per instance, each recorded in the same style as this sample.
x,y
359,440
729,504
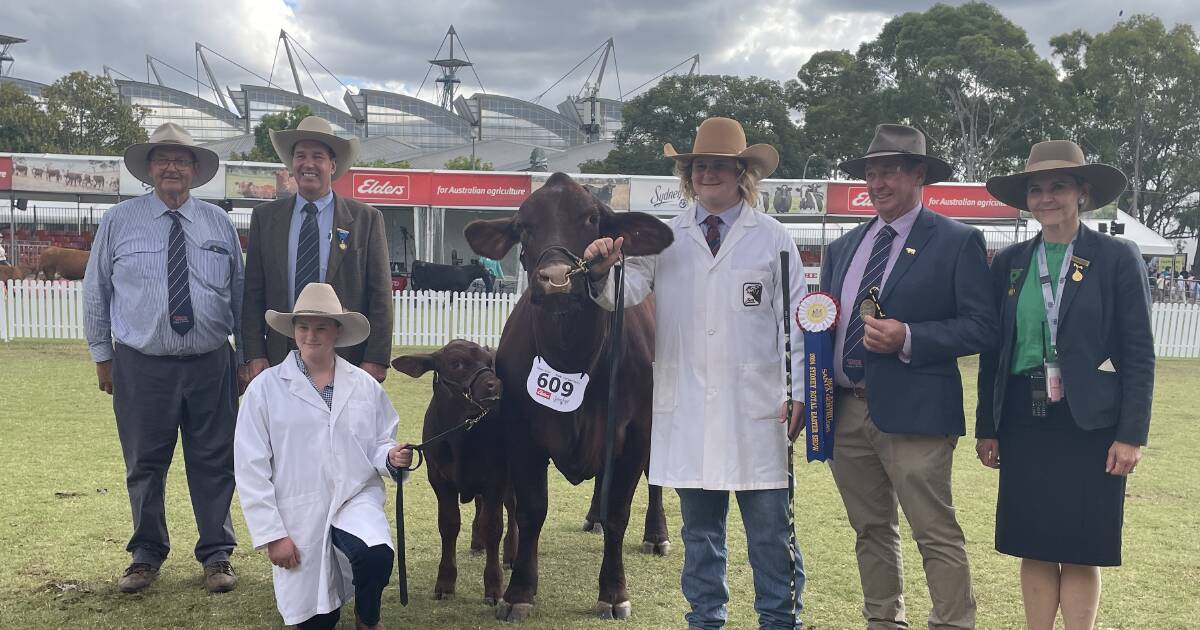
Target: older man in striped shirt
x,y
162,295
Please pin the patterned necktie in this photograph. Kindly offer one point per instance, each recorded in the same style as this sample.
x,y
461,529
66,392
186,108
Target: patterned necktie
x,y
713,233
308,250
853,352
179,294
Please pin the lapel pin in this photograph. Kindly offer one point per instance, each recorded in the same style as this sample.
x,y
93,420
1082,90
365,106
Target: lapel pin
x,y
910,251
342,236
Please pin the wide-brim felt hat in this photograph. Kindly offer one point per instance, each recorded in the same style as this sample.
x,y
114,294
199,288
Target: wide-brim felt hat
x,y
345,150
171,135
724,137
904,141
1060,156
319,300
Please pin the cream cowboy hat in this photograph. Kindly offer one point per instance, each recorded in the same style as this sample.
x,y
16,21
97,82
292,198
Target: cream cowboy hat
x,y
1060,156
724,137
319,300
345,150
899,140
171,135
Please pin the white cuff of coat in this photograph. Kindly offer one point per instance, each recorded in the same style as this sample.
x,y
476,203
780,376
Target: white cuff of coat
x,y
906,350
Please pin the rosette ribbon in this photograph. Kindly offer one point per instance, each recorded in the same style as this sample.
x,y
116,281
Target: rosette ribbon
x,y
817,316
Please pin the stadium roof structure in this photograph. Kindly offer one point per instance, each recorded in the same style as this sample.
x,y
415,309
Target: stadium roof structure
x,y
206,121
255,101
30,88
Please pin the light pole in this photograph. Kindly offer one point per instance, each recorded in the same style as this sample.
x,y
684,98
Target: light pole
x,y
804,173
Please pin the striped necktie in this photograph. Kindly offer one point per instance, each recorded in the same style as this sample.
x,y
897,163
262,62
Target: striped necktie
x,y
713,233
308,250
179,293
853,353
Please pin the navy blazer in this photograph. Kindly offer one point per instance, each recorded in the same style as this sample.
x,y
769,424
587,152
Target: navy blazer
x,y
939,286
1103,317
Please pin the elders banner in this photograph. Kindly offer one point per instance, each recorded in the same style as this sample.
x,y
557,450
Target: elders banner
x,y
957,201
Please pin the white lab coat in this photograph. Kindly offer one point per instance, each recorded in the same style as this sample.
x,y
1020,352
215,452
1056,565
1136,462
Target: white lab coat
x,y
302,469
718,353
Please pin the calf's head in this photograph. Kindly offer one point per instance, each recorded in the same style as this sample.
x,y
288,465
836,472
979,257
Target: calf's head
x,y
554,226
463,370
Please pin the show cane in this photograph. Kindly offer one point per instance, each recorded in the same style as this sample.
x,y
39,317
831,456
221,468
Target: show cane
x,y
785,273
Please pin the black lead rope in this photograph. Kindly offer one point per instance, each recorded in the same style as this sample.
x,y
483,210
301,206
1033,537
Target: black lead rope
x,y
614,357
785,272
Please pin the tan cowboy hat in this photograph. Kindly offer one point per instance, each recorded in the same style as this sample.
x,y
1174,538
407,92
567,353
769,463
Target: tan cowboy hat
x,y
724,137
899,140
1060,156
319,300
345,150
171,135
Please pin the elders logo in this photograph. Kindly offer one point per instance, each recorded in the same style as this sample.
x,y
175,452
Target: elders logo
x,y
377,187
859,198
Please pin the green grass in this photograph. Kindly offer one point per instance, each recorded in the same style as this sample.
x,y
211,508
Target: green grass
x,y
63,553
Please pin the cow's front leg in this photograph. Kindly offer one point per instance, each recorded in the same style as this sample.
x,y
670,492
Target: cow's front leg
x,y
613,601
511,531
591,522
489,519
478,528
529,484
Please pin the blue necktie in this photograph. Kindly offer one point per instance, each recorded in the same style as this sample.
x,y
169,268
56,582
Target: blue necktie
x,y
853,353
179,294
308,250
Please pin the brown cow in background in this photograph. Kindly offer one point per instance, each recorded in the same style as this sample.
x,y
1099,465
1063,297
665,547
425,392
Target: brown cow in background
x,y
68,263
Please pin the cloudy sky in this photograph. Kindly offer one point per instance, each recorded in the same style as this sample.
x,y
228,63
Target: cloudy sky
x,y
519,47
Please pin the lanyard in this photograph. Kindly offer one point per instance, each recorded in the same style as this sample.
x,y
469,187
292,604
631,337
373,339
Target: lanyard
x,y
1051,302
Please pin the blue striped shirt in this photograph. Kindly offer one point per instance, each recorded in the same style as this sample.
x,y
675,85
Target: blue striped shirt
x,y
125,286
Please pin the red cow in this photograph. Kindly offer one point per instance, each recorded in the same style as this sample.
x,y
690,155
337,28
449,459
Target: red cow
x,y
556,321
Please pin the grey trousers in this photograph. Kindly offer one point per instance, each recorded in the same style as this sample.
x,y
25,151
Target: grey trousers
x,y
156,399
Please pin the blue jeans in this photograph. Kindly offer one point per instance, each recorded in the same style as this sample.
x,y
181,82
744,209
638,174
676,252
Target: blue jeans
x,y
764,514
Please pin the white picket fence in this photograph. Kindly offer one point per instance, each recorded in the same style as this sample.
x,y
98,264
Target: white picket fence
x,y
54,310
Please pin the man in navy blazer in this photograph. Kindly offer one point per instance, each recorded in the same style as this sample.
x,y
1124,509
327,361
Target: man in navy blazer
x,y
913,290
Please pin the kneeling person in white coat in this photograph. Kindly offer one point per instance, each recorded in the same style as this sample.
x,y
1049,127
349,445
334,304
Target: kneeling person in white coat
x,y
308,459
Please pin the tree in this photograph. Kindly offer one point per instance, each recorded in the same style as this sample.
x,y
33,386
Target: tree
x,y
467,163
381,163
263,150
966,76
1137,90
24,127
672,110
89,116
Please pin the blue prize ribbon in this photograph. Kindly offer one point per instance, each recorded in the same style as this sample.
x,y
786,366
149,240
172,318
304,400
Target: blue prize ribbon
x,y
818,392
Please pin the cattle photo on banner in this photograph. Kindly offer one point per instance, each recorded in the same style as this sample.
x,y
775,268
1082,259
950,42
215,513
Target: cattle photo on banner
x,y
817,316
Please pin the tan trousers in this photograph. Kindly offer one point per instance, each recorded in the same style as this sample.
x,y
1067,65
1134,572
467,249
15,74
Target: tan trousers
x,y
875,472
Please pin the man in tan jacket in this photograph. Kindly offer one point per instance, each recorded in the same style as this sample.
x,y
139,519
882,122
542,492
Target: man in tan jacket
x,y
316,236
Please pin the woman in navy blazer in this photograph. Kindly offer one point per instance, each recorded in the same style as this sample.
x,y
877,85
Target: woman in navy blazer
x,y
1064,416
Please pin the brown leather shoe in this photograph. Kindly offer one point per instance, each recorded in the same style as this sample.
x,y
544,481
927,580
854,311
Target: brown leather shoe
x,y
137,577
359,625
219,576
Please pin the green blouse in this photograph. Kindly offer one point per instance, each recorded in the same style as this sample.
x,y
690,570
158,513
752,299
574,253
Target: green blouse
x,y
1033,334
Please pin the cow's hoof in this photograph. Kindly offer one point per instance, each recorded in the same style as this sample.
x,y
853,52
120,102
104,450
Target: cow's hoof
x,y
491,601
476,552
513,612
440,596
593,527
608,611
663,548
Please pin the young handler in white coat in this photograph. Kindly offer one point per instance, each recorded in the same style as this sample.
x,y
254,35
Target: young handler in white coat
x,y
718,370
314,436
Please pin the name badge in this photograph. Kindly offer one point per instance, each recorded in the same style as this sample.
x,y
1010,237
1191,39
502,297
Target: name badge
x,y
558,391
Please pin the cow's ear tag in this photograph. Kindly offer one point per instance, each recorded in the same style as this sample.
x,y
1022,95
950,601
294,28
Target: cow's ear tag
x,y
558,391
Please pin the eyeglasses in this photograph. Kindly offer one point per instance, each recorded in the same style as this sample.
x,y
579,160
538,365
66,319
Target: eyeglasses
x,y
175,162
